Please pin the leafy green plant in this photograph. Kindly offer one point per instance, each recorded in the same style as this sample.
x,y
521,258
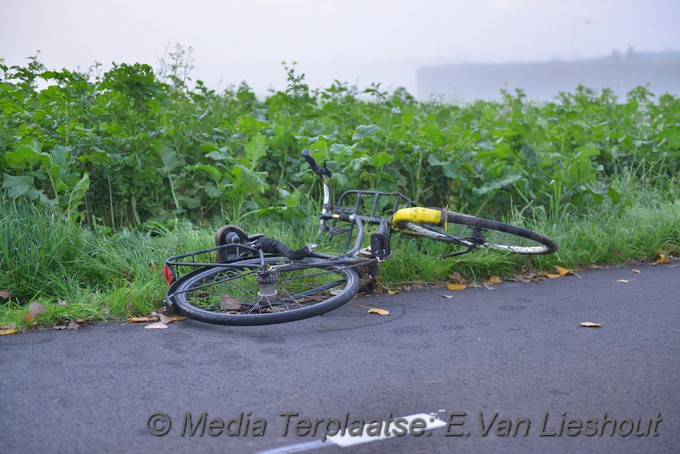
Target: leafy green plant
x,y
129,146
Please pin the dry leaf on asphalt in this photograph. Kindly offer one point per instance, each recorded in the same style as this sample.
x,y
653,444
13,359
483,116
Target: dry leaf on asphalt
x,y
662,259
374,310
520,278
7,330
144,319
563,271
592,325
634,271
157,325
167,319
456,286
392,292
493,280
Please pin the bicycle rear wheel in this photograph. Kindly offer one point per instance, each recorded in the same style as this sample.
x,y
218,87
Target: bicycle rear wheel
x,y
262,292
476,233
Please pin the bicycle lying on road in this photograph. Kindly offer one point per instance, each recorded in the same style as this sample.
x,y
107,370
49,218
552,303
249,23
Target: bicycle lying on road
x,y
256,280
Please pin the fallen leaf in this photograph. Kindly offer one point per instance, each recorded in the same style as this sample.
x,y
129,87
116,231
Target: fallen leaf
x,y
592,325
7,332
157,325
34,309
374,310
625,281
456,286
457,278
166,319
520,278
552,275
447,296
4,294
145,319
493,280
73,325
228,303
392,292
563,271
635,271
662,258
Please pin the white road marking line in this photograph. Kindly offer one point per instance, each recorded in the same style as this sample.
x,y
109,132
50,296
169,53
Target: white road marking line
x,y
300,447
349,440
344,440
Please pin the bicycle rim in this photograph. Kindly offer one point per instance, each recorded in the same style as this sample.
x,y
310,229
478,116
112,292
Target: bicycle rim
x,y
476,233
250,293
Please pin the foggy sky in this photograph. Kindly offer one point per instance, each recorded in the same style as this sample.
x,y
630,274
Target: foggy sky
x,y
357,41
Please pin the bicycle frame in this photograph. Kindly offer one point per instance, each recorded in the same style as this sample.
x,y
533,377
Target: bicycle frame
x,y
406,217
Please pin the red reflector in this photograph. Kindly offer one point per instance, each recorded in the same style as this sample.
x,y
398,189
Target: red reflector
x,y
168,274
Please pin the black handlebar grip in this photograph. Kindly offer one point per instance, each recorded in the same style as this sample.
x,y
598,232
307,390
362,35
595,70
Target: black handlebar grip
x,y
314,165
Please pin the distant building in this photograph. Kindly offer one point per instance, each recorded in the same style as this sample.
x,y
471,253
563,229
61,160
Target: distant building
x,y
543,81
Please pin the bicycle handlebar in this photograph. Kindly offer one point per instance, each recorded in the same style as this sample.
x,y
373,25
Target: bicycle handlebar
x,y
314,165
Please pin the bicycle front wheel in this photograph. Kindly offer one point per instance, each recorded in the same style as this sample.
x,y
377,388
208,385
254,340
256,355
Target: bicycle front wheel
x,y
476,233
256,292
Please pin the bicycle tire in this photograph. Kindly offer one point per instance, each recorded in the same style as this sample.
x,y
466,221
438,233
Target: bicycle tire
x,y
484,233
244,293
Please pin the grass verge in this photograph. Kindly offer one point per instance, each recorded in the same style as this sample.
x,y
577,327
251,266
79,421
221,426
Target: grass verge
x,y
78,274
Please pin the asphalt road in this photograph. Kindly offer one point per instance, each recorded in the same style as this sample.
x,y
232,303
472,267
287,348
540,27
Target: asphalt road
x,y
502,370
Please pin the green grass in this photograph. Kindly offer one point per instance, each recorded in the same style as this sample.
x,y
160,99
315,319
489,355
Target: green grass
x,y
77,273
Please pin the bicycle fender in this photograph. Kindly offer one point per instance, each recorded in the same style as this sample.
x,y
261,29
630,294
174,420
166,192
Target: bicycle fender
x,y
417,214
